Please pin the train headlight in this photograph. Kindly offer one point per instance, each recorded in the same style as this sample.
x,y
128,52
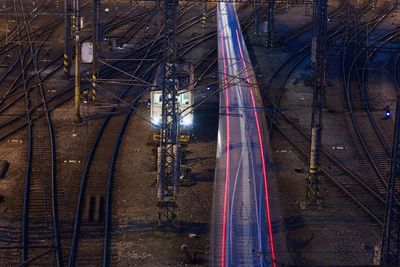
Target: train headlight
x,y
156,120
187,121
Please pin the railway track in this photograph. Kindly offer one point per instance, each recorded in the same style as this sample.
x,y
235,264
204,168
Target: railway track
x,y
40,239
293,35
96,184
110,26
275,86
96,203
374,150
354,187
40,211
94,190
17,122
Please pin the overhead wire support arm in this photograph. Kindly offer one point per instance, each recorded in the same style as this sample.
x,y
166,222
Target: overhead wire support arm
x,y
318,62
169,151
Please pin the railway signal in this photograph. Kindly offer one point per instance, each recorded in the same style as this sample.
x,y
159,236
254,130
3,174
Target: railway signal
x,y
318,61
388,114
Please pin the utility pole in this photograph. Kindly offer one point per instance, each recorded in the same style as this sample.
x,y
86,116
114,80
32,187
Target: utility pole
x,y
77,62
318,61
390,254
270,21
169,149
67,39
95,41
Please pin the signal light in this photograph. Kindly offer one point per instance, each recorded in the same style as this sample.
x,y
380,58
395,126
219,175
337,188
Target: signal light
x,y
388,114
203,21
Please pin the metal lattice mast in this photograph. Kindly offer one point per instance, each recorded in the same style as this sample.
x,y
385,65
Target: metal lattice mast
x,y
77,61
270,20
390,254
257,18
168,161
95,41
318,61
67,39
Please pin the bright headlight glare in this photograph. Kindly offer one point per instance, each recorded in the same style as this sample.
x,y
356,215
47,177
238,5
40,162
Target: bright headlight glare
x,y
187,120
156,120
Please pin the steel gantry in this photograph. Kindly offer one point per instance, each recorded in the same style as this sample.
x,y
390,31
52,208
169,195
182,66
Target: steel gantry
x,y
390,254
318,61
169,150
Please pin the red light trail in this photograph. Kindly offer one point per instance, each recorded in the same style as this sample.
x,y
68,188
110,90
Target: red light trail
x,y
262,156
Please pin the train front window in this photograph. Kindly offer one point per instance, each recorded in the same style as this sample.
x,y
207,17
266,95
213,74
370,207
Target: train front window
x,y
185,98
157,98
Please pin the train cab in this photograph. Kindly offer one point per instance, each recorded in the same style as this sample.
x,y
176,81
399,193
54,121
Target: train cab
x,y
184,100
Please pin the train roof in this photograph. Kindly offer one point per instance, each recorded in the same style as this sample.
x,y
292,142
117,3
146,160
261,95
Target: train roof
x,y
183,70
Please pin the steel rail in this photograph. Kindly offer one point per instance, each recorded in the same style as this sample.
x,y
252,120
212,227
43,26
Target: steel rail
x,y
337,182
73,251
55,219
347,75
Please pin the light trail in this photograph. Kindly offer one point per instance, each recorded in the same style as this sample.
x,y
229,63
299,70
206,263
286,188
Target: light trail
x,y
268,210
223,257
240,241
